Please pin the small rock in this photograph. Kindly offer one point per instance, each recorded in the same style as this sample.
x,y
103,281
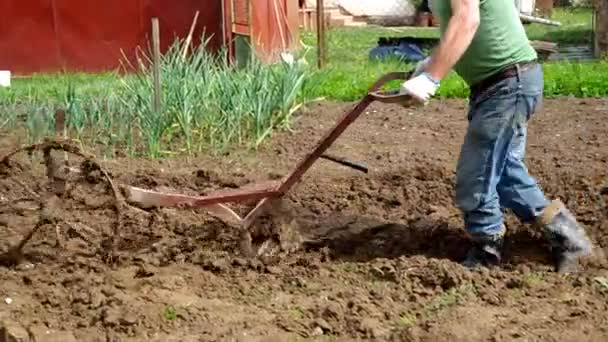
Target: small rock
x,y
142,272
371,327
217,266
321,323
8,300
24,266
492,299
273,270
332,311
108,292
128,320
81,296
316,332
110,317
299,282
255,264
514,283
239,262
97,299
11,331
376,272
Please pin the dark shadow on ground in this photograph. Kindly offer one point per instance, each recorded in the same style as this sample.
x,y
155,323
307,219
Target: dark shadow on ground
x,y
364,239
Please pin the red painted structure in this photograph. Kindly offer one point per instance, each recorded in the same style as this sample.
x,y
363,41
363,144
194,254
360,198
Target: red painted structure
x,y
272,25
76,35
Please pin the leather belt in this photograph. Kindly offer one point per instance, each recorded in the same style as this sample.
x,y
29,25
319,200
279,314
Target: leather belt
x,y
510,71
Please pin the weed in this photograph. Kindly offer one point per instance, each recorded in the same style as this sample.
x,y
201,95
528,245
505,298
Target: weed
x,y
297,313
602,285
444,301
534,279
448,299
407,320
169,313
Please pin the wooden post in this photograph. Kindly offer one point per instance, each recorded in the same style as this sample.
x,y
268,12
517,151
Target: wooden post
x,y
321,47
600,43
156,66
61,129
189,38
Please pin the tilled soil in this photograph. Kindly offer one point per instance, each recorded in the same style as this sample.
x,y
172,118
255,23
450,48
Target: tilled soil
x,y
381,251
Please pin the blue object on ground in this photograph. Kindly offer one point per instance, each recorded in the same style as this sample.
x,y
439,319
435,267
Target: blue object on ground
x,y
405,51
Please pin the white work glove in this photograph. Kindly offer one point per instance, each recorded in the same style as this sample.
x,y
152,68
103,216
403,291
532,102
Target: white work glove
x,y
421,87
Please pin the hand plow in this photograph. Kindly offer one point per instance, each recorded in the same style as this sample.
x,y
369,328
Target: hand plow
x,y
215,203
265,197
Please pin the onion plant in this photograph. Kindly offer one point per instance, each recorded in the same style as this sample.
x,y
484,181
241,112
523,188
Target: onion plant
x,y
208,102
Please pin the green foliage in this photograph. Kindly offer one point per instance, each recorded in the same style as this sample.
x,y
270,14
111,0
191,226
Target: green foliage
x,y
575,29
207,104
349,72
169,313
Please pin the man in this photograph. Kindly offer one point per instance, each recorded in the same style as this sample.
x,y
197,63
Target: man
x,y
485,43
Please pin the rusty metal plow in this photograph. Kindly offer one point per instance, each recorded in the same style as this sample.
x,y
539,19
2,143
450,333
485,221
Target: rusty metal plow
x,y
267,196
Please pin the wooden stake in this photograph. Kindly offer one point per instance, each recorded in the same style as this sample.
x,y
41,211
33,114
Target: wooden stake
x,y
321,47
156,65
61,128
189,38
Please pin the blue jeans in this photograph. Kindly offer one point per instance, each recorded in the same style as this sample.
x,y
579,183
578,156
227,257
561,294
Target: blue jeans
x,y
491,176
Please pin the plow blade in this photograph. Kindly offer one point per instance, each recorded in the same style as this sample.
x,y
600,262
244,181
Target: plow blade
x,y
145,198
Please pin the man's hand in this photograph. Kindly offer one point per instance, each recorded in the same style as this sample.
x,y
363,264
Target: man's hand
x,y
421,87
459,33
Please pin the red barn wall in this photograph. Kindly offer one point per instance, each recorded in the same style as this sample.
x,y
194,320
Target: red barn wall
x,y
75,35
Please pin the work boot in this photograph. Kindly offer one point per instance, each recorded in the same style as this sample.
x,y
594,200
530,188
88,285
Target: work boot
x,y
485,252
568,239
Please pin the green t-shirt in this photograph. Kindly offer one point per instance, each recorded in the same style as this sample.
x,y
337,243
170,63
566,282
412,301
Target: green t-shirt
x,y
500,39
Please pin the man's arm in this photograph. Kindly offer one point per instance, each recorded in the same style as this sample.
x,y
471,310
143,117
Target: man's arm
x,y
458,35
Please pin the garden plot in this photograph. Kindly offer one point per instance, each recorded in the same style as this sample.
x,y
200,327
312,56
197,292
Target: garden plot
x,y
381,253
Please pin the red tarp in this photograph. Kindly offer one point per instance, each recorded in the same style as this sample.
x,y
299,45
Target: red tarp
x,y
75,35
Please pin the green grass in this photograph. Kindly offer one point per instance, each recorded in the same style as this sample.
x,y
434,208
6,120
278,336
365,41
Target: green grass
x,y
576,28
349,72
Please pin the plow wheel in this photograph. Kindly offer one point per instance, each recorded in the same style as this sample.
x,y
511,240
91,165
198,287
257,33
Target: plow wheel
x,y
50,192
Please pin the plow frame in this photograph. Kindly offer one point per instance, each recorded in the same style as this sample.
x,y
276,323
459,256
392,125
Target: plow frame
x,y
215,203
